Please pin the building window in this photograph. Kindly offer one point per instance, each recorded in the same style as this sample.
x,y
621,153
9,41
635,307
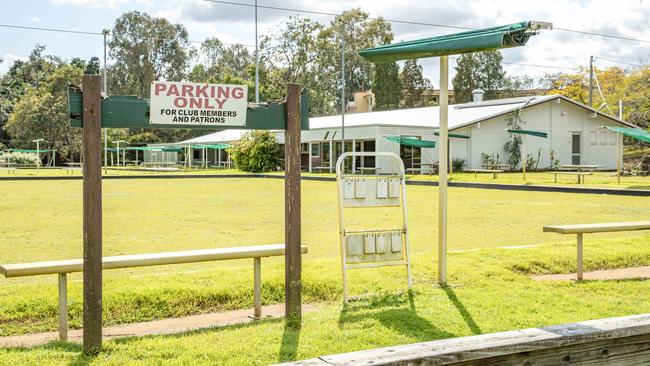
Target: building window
x,y
603,137
304,148
592,137
612,137
315,149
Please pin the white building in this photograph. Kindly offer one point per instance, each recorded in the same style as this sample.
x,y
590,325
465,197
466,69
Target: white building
x,y
574,133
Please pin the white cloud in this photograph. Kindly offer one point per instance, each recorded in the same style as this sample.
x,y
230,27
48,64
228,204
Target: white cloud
x,y
101,3
8,61
34,19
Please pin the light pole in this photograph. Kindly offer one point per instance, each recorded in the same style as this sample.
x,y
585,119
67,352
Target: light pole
x,y
257,62
105,32
118,142
38,153
343,103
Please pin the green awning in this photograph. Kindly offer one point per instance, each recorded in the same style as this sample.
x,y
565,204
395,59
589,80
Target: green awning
x,y
411,141
454,135
171,149
214,146
529,132
30,151
506,36
636,133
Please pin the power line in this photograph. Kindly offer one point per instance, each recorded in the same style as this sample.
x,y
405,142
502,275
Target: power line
x,y
402,21
60,30
624,38
618,61
306,11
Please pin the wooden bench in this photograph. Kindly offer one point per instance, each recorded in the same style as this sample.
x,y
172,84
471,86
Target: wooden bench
x,y
63,267
581,229
581,175
495,172
8,170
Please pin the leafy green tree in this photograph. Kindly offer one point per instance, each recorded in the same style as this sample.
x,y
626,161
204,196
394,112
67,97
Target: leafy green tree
x,y
414,85
42,112
359,32
145,49
479,70
20,77
257,151
386,86
513,146
295,53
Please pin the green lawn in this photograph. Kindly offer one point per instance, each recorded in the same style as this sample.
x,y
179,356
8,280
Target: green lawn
x,y
495,240
599,179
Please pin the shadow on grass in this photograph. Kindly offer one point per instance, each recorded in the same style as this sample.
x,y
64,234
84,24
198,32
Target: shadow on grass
x,y
81,359
638,187
467,317
290,341
395,316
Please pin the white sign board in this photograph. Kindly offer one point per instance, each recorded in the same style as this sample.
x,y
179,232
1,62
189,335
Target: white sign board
x,y
197,104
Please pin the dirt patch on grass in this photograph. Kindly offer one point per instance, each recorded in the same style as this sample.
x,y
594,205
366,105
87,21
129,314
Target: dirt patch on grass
x,y
610,274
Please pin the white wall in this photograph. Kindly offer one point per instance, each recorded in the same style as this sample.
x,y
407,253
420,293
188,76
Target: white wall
x,y
560,121
383,144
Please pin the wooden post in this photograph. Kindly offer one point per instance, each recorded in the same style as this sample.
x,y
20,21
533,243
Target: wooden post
x,y
92,214
293,259
63,307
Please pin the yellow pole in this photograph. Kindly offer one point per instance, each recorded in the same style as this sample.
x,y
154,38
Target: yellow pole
x,y
618,157
524,159
442,169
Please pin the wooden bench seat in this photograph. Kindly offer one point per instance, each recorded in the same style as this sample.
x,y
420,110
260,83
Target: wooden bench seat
x,y
8,170
63,267
581,175
321,168
580,229
495,172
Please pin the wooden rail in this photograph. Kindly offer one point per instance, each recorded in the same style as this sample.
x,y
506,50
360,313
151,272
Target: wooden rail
x,y
63,267
612,341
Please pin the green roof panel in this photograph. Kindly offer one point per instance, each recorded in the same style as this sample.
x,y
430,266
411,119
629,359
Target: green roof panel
x,y
411,141
529,132
486,39
637,133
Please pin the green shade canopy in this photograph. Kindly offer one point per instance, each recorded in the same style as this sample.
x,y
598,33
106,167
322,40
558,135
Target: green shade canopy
x,y
454,135
636,133
529,132
30,151
215,146
411,141
506,36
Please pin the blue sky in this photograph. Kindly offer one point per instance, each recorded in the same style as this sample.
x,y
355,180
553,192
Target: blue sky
x,y
235,24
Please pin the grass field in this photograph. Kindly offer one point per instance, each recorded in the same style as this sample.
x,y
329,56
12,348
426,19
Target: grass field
x,y
599,179
495,240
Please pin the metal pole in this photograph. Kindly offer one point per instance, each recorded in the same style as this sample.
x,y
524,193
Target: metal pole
x,y
591,80
257,62
105,90
524,159
618,158
442,169
343,103
38,156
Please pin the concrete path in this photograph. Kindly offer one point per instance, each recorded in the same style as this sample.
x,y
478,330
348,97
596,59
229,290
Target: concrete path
x,y
164,326
610,274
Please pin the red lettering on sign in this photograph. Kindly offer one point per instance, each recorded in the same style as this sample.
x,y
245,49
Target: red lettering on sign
x,y
237,92
173,90
180,102
160,88
188,90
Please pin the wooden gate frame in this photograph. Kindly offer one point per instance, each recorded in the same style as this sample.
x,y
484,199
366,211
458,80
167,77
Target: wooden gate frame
x,y
92,205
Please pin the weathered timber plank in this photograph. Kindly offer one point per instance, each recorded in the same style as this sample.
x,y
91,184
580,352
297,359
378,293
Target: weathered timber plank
x,y
611,341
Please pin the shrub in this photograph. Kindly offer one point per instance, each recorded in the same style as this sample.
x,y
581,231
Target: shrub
x,y
458,164
21,158
256,151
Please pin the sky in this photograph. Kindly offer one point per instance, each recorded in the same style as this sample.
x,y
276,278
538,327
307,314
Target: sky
x,y
555,50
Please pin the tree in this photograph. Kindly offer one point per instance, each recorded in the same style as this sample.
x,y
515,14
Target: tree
x,y
513,146
257,151
359,32
296,53
386,86
23,75
480,70
145,49
42,112
414,85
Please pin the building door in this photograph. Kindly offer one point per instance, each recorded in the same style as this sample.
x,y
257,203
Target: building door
x,y
576,147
